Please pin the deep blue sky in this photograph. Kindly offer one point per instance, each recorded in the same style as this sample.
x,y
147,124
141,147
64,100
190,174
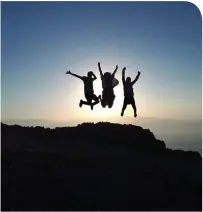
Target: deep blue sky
x,y
41,40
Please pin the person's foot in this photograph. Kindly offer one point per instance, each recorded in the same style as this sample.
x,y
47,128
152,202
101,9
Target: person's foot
x,y
103,104
135,115
122,113
92,107
80,103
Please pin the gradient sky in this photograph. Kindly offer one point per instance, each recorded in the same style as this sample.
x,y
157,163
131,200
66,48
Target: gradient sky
x,y
42,40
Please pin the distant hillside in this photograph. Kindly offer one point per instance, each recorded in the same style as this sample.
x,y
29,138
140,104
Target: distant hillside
x,y
99,166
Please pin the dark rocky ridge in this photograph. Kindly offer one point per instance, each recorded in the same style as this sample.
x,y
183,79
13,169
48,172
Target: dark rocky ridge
x,y
99,166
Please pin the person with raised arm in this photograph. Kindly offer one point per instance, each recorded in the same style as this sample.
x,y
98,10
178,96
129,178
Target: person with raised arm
x,y
88,89
108,83
128,92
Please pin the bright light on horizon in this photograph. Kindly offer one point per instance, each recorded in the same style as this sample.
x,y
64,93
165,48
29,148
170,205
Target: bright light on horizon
x,y
108,65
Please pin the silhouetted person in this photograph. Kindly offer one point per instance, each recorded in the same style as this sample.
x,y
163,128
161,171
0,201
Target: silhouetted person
x,y
108,83
88,89
128,92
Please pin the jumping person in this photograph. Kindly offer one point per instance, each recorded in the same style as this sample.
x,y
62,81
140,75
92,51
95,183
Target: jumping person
x,y
128,92
88,89
108,84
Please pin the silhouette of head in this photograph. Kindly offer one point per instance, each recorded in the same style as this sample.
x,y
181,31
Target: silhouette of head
x,y
89,74
128,79
107,75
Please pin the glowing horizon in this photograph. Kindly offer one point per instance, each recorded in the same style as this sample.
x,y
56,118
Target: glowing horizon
x,y
38,47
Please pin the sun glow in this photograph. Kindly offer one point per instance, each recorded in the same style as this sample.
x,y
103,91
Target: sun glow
x,y
99,113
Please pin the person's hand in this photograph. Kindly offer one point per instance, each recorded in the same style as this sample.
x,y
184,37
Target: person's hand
x,y
124,68
139,72
68,72
98,63
116,66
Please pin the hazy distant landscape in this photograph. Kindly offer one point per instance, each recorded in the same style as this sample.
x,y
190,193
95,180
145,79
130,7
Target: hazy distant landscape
x,y
177,134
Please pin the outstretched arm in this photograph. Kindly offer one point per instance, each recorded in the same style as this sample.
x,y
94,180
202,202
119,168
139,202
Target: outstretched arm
x,y
100,71
114,71
136,78
75,75
123,74
94,77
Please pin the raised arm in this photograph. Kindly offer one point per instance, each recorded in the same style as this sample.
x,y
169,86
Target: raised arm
x,y
114,71
75,75
136,78
100,71
94,77
123,74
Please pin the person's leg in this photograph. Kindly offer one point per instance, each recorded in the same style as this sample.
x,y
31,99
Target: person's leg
x,y
99,97
134,106
82,102
110,97
124,106
111,101
96,100
103,103
88,102
103,100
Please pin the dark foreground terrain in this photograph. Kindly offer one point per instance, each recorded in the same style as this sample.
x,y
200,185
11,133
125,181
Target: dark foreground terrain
x,y
96,167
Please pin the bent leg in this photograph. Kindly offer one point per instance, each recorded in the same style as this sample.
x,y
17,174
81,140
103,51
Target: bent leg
x,y
86,103
89,99
96,99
